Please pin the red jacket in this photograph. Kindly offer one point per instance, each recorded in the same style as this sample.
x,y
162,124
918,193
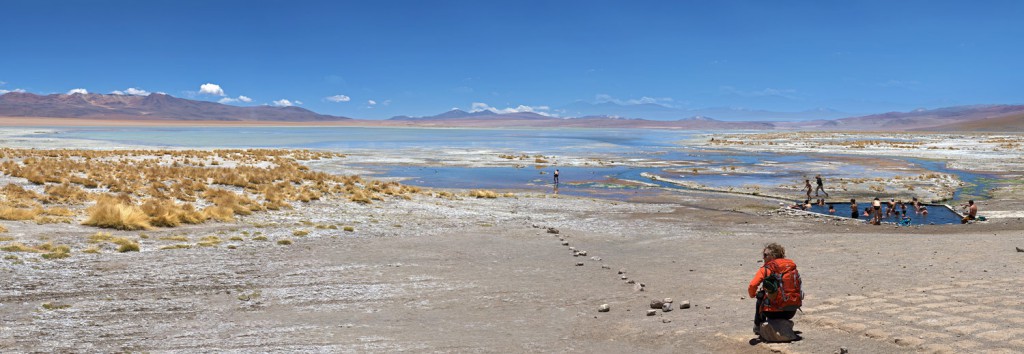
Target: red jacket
x,y
791,295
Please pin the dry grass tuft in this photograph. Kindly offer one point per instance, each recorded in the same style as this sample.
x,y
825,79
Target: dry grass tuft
x,y
18,247
483,193
125,244
113,212
177,246
284,242
210,241
8,213
300,233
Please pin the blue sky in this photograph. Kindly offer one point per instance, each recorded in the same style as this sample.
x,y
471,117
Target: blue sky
x,y
377,59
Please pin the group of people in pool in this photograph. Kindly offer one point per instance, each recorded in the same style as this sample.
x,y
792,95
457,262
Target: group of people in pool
x,y
893,208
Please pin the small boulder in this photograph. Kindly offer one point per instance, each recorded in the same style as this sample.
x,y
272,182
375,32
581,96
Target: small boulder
x,y
605,266
565,243
777,330
583,253
651,312
668,300
604,308
552,230
638,287
665,320
622,271
579,264
666,307
1020,249
656,304
684,305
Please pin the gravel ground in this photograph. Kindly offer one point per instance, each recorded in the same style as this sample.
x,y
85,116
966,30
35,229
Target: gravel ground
x,y
487,275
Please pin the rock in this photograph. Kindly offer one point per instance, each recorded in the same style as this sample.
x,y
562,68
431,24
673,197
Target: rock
x,y
552,230
579,264
684,305
665,320
622,271
668,300
572,249
583,253
565,243
651,312
605,266
638,287
843,350
775,330
666,307
656,304
1020,249
596,258
604,308
631,281
623,277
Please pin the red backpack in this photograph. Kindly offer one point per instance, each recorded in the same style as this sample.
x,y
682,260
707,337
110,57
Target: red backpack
x,y
782,286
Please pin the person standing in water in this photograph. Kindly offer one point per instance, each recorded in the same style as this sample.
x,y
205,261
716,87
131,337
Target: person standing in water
x,y
821,186
556,176
853,208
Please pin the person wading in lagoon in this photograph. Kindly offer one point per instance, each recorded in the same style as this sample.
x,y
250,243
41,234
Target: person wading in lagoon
x,y
876,212
853,208
821,186
780,293
556,176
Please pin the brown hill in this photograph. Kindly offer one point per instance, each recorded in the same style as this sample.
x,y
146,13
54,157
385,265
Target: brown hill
x,y
916,120
1008,123
155,106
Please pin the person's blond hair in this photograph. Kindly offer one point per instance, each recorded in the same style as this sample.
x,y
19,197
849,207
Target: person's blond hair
x,y
776,250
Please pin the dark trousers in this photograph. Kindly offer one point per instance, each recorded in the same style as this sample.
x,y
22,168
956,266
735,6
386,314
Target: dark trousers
x,y
762,316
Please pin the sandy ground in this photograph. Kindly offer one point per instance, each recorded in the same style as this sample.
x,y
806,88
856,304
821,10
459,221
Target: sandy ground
x,y
485,275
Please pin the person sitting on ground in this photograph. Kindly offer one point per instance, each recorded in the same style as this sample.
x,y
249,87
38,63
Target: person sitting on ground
x,y
780,293
972,212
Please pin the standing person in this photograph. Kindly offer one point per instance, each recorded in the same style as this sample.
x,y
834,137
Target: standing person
x,y
853,208
556,176
972,212
807,186
780,294
821,186
876,212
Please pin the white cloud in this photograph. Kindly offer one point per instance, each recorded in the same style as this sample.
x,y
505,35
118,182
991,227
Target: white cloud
x,y
338,98
283,103
604,98
131,91
226,100
78,90
298,102
541,110
14,90
211,89
3,82
371,102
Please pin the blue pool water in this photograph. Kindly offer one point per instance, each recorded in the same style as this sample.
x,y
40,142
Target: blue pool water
x,y
937,214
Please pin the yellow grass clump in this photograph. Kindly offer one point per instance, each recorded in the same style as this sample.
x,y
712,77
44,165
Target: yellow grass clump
x,y
8,213
284,242
18,247
483,193
125,244
115,213
210,241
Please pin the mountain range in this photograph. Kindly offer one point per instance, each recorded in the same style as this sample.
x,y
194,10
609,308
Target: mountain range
x,y
162,107
156,106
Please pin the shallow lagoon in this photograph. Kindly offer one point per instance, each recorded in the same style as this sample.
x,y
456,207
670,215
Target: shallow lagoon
x,y
659,152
